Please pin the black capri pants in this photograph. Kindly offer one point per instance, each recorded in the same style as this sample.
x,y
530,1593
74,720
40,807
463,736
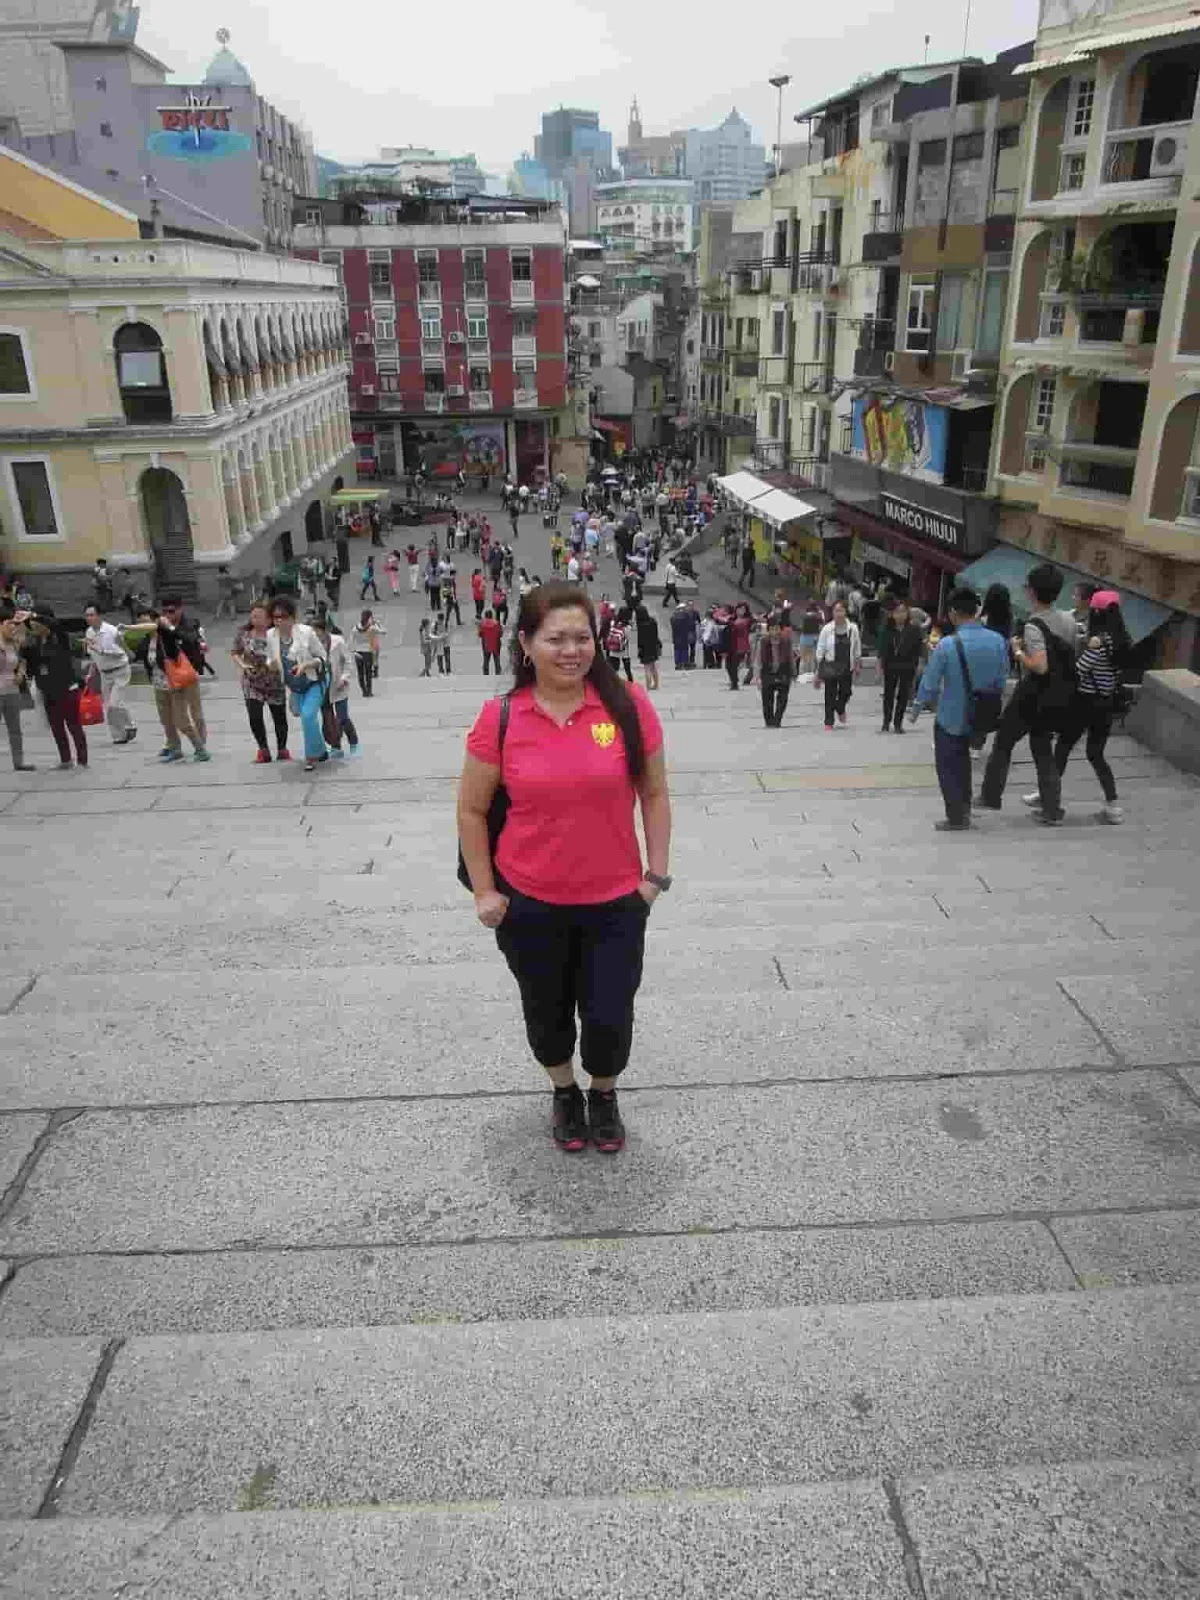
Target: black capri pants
x,y
576,959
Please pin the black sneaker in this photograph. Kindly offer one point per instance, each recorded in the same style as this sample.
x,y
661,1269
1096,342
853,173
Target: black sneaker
x,y
569,1125
608,1131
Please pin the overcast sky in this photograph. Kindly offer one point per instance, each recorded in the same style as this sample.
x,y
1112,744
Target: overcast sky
x,y
468,76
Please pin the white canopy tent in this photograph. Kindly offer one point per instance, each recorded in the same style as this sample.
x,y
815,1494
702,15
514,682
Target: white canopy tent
x,y
777,507
744,487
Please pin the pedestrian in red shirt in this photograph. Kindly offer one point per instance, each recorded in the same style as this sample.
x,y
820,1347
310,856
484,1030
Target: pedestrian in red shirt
x,y
740,628
477,591
576,752
490,634
500,603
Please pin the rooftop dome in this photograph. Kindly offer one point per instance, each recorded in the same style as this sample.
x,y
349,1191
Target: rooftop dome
x,y
225,70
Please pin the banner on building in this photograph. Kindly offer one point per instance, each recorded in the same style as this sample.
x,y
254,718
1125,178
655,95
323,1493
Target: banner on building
x,y
900,435
861,551
445,446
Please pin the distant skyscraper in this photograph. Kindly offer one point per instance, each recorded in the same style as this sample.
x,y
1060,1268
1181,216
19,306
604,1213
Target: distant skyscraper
x,y
569,133
724,163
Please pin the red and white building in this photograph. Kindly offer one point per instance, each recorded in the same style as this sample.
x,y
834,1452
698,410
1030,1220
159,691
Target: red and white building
x,y
457,319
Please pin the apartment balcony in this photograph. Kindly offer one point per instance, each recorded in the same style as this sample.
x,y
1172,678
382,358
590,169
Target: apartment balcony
x,y
435,404
816,273
477,349
525,399
745,366
730,423
391,402
1000,225
522,291
775,372
481,399
712,352
814,377
1096,468
770,455
1156,154
883,243
429,293
812,471
524,345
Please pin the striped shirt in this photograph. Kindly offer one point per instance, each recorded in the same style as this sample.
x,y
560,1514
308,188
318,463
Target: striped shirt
x,y
1096,669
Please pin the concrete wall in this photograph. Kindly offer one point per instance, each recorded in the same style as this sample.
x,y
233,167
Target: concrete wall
x,y
63,209
1166,716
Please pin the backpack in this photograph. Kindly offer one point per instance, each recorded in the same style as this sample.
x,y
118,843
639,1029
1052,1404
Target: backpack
x,y
1049,696
614,641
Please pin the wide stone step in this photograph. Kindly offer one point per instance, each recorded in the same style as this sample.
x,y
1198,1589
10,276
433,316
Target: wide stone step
x,y
1074,1528
355,1418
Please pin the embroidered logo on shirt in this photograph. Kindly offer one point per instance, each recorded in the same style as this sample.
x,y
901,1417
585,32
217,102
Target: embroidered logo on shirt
x,y
603,733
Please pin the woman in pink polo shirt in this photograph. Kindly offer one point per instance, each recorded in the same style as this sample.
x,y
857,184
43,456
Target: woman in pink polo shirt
x,y
568,894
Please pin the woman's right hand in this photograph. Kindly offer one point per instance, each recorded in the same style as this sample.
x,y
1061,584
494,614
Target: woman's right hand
x,y
491,908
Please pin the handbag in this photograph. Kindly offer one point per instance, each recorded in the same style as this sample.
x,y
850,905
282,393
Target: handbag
x,y
983,705
330,727
91,708
179,671
498,810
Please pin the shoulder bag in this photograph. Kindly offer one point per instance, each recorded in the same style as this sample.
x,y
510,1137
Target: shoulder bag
x,y
179,671
498,810
983,705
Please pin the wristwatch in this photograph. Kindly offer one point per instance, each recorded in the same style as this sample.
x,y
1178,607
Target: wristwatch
x,y
659,880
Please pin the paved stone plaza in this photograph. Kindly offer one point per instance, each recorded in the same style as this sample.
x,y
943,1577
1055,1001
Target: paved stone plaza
x,y
894,1294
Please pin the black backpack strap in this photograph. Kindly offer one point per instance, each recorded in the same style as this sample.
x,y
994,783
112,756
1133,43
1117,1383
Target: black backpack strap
x,y
962,660
505,708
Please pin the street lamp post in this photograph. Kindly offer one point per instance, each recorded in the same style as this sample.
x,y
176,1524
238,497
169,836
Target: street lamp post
x,y
779,83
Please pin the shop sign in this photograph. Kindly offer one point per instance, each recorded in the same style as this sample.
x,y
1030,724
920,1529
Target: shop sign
x,y
878,557
950,532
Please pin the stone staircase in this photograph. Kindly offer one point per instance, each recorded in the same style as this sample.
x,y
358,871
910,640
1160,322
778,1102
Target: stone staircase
x,y
894,1294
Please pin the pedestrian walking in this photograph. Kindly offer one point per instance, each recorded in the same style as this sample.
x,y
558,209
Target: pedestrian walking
x,y
500,603
14,687
338,689
616,643
439,634
51,663
106,648
1100,696
173,655
491,633
649,646
900,646
839,660
968,663
685,626
576,753
450,596
368,580
296,653
1043,704
227,589
746,576
478,591
333,583
425,645
670,584
811,623
737,651
364,642
262,687
392,567
776,659
413,556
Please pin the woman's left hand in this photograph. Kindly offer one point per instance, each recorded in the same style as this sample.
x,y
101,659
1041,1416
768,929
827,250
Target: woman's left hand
x,y
648,891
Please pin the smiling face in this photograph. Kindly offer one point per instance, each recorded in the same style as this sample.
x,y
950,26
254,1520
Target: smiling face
x,y
562,649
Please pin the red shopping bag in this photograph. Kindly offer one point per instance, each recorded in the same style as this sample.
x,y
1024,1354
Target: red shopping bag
x,y
91,708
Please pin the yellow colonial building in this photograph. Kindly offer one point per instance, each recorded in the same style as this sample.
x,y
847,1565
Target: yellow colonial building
x,y
168,404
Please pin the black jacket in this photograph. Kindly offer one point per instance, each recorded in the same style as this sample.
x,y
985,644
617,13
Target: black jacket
x,y
900,648
51,663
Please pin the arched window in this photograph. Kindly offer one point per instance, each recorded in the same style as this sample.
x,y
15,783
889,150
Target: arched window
x,y
142,374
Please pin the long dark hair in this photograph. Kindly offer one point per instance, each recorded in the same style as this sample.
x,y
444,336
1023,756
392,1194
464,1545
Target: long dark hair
x,y
997,610
1110,621
535,607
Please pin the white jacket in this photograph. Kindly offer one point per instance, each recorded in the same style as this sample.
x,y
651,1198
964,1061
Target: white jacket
x,y
306,649
827,645
339,668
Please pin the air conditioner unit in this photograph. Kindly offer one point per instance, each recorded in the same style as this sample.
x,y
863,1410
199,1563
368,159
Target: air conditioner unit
x,y
889,360
366,388
455,389
457,338
960,365
1169,156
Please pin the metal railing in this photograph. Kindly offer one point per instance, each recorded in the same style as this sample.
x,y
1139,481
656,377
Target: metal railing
x,y
814,377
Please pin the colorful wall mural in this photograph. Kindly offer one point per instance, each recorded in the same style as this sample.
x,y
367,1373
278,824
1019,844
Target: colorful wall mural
x,y
446,445
900,434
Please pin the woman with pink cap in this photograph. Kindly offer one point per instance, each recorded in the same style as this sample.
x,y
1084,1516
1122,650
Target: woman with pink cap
x,y
1101,695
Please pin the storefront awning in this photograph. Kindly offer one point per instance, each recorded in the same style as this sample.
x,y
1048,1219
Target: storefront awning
x,y
1005,563
778,507
608,427
744,487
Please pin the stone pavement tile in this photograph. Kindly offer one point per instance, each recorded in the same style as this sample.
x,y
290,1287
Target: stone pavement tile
x,y
1146,1247
388,1037
1150,1018
43,1383
439,1171
286,796
1075,1531
18,1135
85,803
232,1292
832,1542
708,1401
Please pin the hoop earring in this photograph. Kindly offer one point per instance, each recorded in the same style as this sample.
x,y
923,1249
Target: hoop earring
x,y
526,661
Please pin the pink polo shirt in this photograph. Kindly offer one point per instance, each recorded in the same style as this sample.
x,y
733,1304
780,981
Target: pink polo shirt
x,y
570,837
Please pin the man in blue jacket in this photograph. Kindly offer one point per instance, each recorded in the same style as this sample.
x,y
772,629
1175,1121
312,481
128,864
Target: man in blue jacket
x,y
943,683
